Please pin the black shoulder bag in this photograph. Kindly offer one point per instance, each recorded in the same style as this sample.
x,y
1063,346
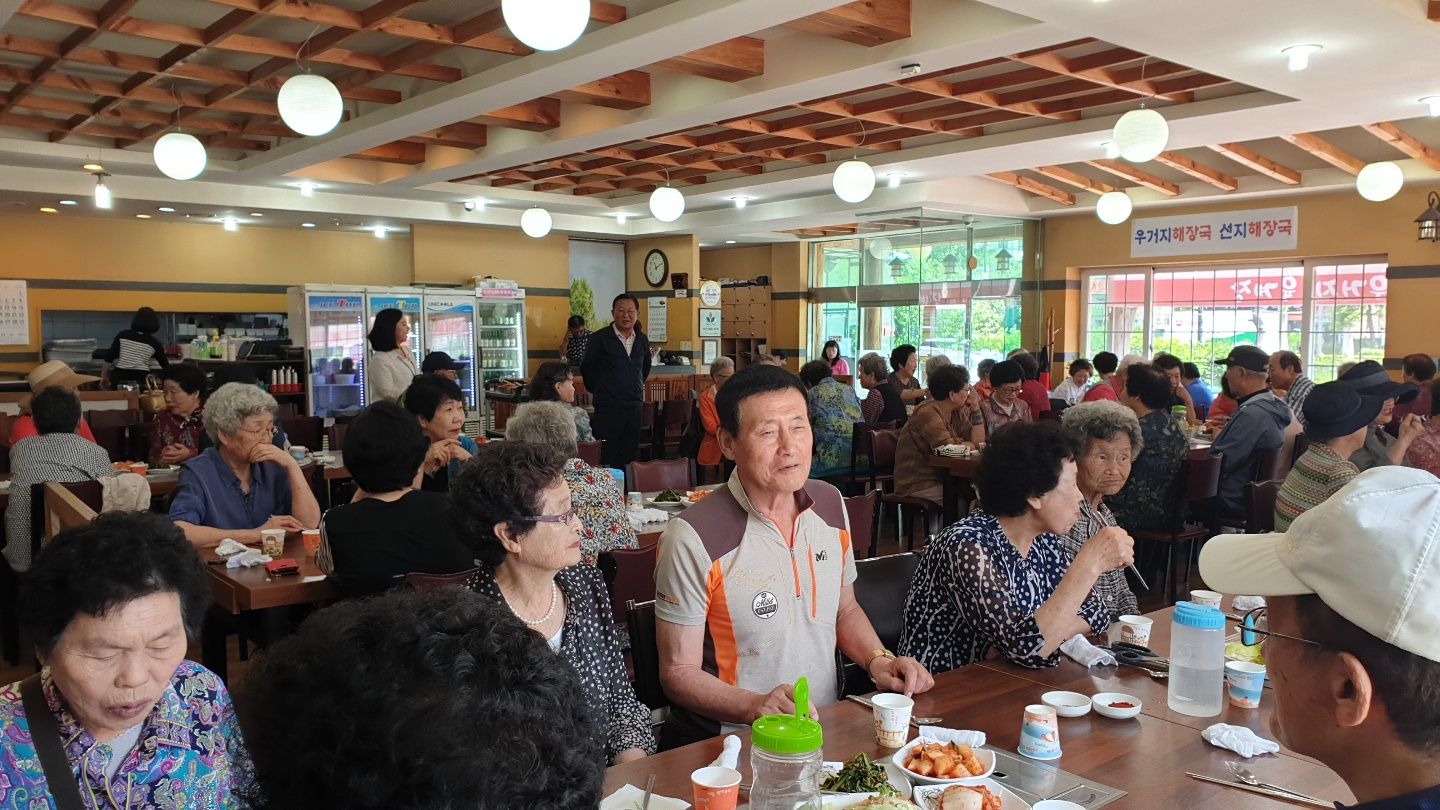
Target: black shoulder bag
x,y
45,734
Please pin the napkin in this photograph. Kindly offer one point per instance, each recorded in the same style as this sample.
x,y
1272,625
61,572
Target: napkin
x,y
228,547
1085,652
936,734
248,558
952,450
1239,739
646,517
629,798
1245,604
730,757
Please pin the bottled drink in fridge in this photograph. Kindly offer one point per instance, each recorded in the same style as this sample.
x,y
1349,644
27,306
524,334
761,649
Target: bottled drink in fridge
x,y
1197,660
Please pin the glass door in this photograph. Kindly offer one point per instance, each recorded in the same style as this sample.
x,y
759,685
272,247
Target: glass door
x,y
501,332
450,328
335,327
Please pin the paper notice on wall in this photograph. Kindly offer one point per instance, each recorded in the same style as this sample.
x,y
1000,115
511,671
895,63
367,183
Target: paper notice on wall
x,y
14,314
657,325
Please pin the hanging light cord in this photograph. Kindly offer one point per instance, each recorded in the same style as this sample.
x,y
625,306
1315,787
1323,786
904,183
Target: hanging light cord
x,y
300,53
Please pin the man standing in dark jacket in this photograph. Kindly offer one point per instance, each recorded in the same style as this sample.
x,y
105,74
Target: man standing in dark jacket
x,y
617,361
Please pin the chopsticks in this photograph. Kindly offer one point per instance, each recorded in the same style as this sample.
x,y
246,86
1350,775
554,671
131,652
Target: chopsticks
x,y
1274,794
649,789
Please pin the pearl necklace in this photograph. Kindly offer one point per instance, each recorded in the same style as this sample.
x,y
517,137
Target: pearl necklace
x,y
554,600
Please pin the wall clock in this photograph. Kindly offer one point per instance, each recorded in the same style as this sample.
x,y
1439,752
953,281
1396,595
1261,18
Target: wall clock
x,y
657,268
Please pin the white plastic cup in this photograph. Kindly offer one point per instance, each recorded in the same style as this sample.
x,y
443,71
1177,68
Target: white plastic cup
x,y
1206,598
1135,630
892,719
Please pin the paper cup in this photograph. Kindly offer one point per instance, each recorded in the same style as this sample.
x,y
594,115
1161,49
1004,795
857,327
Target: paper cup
x,y
272,542
1205,599
140,468
312,540
892,719
634,501
716,788
1040,733
298,452
1135,630
1247,683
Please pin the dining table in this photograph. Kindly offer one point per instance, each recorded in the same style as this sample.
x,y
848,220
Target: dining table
x,y
959,472
1142,761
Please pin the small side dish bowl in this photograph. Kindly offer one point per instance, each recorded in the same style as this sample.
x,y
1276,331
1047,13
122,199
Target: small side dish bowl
x,y
1067,704
1104,703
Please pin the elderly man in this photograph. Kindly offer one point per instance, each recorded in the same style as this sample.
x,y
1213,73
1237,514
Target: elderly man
x,y
1286,374
1350,637
1258,424
754,586
616,364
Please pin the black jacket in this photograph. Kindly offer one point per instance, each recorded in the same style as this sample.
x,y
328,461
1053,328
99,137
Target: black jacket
x,y
614,379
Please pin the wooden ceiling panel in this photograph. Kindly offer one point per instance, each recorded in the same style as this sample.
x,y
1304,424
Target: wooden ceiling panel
x,y
867,22
732,61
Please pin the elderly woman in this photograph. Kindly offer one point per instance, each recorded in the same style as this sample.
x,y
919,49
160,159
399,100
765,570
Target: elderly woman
x,y
1337,420
934,363
392,364
56,454
1005,405
1074,388
883,403
1369,378
175,433
950,416
1109,437
710,456
438,405
446,700
834,410
999,580
604,524
1142,504
511,503
111,606
553,382
54,374
244,483
390,528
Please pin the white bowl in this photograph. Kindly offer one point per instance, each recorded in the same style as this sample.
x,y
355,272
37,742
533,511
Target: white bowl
x,y
1102,702
985,755
1067,704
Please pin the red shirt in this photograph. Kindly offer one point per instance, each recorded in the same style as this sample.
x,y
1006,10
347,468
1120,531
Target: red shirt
x,y
1102,392
24,427
1036,395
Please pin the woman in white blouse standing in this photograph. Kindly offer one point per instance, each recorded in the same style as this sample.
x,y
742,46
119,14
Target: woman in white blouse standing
x,y
392,364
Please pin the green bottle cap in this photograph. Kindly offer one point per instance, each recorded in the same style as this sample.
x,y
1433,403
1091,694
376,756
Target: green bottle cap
x,y
789,734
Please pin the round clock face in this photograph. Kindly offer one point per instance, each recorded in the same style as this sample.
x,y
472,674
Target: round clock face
x,y
657,267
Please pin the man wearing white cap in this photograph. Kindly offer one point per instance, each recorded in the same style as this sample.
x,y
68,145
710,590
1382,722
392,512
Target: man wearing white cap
x,y
1352,632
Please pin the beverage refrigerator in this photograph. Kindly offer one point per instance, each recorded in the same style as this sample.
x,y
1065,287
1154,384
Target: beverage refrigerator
x,y
450,328
500,332
409,301
331,322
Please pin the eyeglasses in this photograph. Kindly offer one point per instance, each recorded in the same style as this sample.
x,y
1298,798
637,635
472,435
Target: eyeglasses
x,y
1010,389
271,431
1254,629
573,514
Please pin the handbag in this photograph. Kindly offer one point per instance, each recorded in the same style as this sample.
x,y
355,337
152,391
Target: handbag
x,y
152,399
45,734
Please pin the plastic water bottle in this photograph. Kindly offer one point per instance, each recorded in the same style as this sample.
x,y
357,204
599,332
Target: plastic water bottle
x,y
785,758
1197,660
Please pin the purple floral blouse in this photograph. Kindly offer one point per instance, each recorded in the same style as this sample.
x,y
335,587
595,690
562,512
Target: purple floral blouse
x,y
189,755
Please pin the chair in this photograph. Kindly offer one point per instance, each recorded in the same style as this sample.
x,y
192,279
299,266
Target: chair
x,y
112,431
882,467
1260,505
863,510
435,582
881,585
90,493
648,413
1198,480
1051,415
306,431
882,454
657,390
678,415
1267,468
590,452
662,474
337,437
1302,443
645,653
860,437
634,577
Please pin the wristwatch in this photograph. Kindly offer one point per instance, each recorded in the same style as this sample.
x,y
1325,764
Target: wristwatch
x,y
880,653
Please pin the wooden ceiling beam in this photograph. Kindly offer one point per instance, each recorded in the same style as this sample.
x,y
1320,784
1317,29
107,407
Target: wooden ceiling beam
x,y
943,89
404,152
1322,149
102,19
1406,143
624,91
768,152
1433,12
540,115
734,60
1075,179
1094,69
1181,163
868,22
1258,162
1034,187
1135,175
461,135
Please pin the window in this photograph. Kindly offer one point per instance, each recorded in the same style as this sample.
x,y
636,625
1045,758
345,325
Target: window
x,y
1328,311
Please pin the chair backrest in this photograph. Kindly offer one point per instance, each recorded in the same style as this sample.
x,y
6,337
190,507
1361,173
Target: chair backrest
x,y
434,582
634,577
883,445
502,411
584,399
648,412
113,418
862,512
1267,465
1049,416
645,653
1302,443
678,412
306,431
880,588
90,493
654,476
590,452
1201,477
1260,506
860,441
337,437
657,390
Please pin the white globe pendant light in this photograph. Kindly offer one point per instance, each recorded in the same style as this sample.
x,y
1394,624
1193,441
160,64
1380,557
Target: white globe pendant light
x,y
180,156
880,247
310,104
1140,135
546,25
667,204
854,181
1113,207
536,222
1379,182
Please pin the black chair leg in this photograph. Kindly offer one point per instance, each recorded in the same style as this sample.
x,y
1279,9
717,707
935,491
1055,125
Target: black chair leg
x,y
1189,558
1169,585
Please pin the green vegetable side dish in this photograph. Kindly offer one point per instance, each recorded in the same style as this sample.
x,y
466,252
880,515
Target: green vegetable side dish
x,y
860,775
1235,651
669,496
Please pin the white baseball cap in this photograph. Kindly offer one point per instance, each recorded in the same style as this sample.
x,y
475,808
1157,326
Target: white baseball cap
x,y
1371,553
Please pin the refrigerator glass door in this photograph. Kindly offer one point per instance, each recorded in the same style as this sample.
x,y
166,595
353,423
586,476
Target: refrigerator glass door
x,y
501,333
450,328
408,304
335,338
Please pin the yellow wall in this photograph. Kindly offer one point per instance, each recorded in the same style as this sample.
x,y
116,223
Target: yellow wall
x,y
683,314
1336,223
787,265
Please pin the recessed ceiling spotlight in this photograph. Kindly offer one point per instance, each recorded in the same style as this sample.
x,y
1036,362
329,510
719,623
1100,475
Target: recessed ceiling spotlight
x,y
142,216
165,209
893,179
231,224
1300,55
729,241
256,214
1433,102
68,202
308,189
307,224
47,210
477,204
379,231
93,167
740,201
620,217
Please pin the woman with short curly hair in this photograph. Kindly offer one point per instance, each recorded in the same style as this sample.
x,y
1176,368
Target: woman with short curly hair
x,y
999,580
511,504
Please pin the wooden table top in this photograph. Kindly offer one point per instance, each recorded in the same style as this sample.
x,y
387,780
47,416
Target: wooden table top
x,y
158,486
961,466
238,589
1147,756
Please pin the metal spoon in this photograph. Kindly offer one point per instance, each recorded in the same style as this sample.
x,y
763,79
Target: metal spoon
x,y
1244,775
